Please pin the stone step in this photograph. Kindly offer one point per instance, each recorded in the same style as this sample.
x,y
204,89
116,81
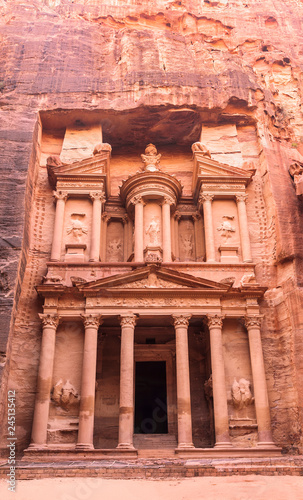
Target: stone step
x,y
153,441
154,453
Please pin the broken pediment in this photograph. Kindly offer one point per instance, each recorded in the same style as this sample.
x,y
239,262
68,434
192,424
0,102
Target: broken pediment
x,y
211,172
93,169
155,278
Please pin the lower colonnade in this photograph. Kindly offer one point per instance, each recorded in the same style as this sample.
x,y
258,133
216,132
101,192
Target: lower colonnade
x,y
128,321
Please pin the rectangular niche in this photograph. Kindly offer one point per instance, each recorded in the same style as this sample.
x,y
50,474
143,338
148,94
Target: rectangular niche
x,y
187,240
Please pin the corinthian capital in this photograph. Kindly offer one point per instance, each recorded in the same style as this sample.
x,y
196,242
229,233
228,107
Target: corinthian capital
x,y
253,321
214,321
128,320
50,320
181,320
91,320
97,195
241,197
206,197
60,195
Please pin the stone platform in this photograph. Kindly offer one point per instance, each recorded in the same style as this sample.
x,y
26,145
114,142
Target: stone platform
x,y
158,468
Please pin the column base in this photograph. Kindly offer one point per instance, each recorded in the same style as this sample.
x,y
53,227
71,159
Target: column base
x,y
183,446
34,446
125,446
223,444
266,444
84,446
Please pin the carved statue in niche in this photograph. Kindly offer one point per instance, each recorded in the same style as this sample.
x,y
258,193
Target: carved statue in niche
x,y
241,394
153,232
188,247
65,395
208,388
226,228
200,148
77,229
151,159
115,250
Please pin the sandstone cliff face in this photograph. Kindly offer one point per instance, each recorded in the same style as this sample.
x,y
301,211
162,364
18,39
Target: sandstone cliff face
x,y
211,62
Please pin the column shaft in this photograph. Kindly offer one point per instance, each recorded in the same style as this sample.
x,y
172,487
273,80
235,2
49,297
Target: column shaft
x,y
166,234
139,230
176,220
105,219
209,228
243,227
61,197
125,221
259,381
126,410
45,379
185,439
218,380
96,226
88,382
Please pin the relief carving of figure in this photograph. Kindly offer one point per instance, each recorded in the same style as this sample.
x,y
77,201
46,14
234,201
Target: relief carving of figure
x,y
151,159
65,395
226,228
153,232
200,148
77,229
115,250
188,247
241,394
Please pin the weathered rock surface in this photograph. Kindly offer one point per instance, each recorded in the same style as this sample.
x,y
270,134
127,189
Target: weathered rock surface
x,y
170,67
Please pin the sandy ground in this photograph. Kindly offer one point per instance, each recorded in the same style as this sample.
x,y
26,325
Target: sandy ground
x,y
210,488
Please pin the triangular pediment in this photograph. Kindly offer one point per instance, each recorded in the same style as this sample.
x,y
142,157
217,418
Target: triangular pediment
x,y
95,167
153,277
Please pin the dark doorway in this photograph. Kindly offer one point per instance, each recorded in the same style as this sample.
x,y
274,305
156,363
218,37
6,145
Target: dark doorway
x,y
151,398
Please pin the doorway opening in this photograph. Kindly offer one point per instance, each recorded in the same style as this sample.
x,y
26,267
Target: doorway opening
x,y
151,398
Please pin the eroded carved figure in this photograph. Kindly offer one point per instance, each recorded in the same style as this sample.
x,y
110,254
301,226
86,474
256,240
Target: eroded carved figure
x,y
226,228
77,228
115,250
153,232
65,395
151,159
103,146
241,394
187,244
200,148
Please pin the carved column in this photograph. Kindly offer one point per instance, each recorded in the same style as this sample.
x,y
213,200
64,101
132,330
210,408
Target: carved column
x,y
253,324
126,410
88,382
206,199
139,204
166,234
61,197
105,219
243,227
97,198
125,221
185,439
219,384
45,378
177,217
198,235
